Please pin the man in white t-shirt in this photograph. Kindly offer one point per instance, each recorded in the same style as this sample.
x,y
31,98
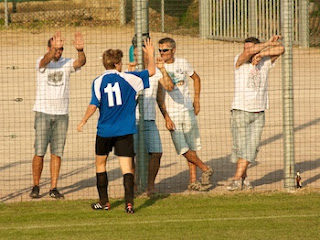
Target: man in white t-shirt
x,y
52,108
151,95
251,69
180,113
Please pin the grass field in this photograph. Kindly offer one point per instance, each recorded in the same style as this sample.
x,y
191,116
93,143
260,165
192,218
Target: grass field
x,y
233,216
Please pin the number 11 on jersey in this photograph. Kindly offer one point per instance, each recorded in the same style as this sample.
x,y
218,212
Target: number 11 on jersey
x,y
110,90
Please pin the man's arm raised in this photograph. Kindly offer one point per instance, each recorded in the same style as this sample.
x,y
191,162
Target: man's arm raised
x,y
56,43
78,43
166,80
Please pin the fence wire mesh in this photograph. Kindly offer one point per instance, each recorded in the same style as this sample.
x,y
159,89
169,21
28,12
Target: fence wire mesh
x,y
110,24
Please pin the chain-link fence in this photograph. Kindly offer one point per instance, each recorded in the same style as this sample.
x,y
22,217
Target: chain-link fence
x,y
111,24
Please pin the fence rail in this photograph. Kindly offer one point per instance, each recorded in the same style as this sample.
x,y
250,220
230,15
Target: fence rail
x,y
234,20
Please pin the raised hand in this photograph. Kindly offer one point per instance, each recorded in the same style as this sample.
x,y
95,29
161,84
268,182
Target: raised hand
x,y
57,41
273,41
275,38
160,62
78,42
132,66
148,47
256,59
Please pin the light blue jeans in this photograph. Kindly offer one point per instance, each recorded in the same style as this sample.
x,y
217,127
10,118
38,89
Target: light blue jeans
x,y
246,134
50,129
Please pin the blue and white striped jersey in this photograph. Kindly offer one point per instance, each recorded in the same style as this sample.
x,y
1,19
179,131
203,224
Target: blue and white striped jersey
x,y
114,93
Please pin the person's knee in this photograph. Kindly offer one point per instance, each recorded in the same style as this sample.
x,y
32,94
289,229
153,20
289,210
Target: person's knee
x,y
38,157
126,165
190,155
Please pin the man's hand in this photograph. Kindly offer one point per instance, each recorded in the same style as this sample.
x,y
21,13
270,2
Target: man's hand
x,y
256,59
132,66
80,125
170,125
273,41
160,62
196,106
148,47
78,42
57,41
275,38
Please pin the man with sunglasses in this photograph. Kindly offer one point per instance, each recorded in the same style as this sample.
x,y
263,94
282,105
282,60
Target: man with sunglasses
x,y
52,107
151,96
180,113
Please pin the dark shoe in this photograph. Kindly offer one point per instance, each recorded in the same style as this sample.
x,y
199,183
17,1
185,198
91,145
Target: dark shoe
x,y
197,186
206,176
99,206
35,192
54,193
129,209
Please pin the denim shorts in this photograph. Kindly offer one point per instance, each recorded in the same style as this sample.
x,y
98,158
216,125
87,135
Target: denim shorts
x,y
152,141
246,130
50,129
186,135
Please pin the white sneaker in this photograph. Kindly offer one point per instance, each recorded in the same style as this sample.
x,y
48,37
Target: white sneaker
x,y
235,185
246,184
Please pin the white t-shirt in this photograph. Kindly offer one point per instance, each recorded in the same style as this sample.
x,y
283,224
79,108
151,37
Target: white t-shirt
x,y
178,100
251,86
150,97
53,86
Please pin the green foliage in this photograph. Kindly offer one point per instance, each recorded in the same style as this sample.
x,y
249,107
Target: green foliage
x,y
175,8
238,216
186,11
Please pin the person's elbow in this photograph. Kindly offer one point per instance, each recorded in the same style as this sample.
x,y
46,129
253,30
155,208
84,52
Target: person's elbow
x,y
83,62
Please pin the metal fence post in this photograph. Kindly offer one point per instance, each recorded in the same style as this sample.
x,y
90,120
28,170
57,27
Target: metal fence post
x,y
6,14
204,19
253,18
141,26
162,15
287,94
123,12
304,23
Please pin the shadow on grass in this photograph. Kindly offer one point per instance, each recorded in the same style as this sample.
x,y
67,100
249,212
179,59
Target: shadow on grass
x,y
152,200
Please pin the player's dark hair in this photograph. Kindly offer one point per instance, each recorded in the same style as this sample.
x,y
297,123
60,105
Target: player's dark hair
x,y
135,40
111,57
252,40
168,40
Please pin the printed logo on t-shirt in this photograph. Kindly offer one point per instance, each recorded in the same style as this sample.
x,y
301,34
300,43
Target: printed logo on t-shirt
x,y
55,79
254,79
178,77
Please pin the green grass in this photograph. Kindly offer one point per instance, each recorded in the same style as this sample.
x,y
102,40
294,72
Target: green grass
x,y
237,216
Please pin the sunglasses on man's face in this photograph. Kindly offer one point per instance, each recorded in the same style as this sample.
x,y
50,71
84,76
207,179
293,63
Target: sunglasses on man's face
x,y
165,49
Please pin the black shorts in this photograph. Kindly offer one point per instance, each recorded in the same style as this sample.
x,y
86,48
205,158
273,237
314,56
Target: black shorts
x,y
123,145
